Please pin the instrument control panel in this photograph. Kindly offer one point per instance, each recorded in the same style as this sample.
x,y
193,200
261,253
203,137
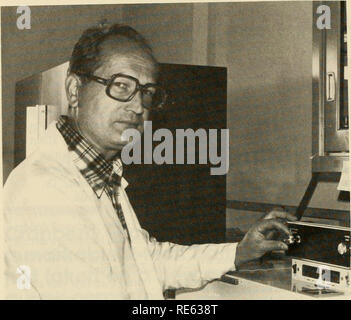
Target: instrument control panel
x,y
320,243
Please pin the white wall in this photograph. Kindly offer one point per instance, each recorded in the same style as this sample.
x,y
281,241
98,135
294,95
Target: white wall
x,y
267,48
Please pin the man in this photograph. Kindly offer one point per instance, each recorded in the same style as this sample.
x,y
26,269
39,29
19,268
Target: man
x,y
70,230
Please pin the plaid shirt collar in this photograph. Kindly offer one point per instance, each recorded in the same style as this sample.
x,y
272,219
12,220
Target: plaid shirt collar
x,y
95,169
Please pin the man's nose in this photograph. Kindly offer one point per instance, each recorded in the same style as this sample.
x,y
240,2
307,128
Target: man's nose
x,y
136,104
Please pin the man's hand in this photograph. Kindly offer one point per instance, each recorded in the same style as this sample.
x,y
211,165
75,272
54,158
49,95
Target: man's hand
x,y
278,213
256,243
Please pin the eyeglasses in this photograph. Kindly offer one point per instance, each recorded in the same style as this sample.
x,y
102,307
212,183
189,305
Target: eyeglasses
x,y
123,88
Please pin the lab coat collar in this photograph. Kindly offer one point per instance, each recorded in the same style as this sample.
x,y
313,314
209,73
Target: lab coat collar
x,y
54,145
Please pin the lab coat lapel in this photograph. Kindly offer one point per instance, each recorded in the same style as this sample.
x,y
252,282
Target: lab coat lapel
x,y
140,250
55,147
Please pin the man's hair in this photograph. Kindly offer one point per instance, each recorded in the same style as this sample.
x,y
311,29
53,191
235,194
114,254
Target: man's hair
x,y
86,55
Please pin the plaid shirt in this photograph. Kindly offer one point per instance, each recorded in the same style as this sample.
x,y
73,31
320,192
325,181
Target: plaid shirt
x,y
102,175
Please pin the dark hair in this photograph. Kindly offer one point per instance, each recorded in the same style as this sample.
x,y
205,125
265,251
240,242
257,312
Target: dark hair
x,y
86,57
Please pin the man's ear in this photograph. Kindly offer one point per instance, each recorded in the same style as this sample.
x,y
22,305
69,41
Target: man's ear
x,y
72,85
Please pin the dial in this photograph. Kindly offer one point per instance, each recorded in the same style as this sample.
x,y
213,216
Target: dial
x,y
342,248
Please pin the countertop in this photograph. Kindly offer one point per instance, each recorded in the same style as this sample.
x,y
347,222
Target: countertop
x,y
267,278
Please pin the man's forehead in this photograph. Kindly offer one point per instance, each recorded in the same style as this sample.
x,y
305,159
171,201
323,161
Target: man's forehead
x,y
129,61
124,52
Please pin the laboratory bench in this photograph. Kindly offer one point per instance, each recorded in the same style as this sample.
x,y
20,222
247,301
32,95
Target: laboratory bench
x,y
266,279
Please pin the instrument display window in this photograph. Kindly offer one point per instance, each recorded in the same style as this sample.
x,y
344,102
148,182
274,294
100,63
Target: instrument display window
x,y
327,275
309,271
334,276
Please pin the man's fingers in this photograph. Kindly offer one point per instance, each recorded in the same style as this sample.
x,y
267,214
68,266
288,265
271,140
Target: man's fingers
x,y
280,214
284,215
272,224
270,245
270,235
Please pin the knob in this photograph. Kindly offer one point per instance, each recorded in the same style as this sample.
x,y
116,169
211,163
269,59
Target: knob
x,y
295,238
290,240
342,248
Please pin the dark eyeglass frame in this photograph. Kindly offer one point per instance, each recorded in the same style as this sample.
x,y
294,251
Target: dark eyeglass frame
x,y
139,87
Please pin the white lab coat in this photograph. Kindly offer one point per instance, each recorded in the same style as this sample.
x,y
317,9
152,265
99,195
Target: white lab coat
x,y
70,245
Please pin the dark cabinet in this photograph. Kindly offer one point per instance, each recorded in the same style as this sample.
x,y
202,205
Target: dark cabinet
x,y
183,203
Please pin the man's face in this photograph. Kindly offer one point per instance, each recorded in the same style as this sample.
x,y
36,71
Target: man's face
x,y
102,119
